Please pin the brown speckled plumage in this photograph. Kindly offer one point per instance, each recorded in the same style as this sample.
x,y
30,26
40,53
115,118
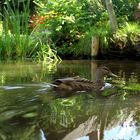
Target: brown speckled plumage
x,y
78,84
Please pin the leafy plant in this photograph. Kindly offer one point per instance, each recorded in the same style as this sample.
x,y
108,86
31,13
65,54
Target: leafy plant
x,y
68,21
46,54
128,33
124,9
17,41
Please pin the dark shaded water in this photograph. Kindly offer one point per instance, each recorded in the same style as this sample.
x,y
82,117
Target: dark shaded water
x,y
30,110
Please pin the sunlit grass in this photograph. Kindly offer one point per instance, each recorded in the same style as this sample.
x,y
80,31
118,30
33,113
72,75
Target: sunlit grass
x,y
128,33
131,28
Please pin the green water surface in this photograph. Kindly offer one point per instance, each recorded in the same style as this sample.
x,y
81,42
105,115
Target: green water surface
x,y
31,110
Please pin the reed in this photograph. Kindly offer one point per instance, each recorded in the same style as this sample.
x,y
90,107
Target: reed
x,y
14,36
16,41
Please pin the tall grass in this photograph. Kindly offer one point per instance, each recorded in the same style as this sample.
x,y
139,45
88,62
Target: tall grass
x,y
14,37
16,41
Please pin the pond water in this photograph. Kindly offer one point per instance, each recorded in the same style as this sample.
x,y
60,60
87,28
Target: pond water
x,y
31,110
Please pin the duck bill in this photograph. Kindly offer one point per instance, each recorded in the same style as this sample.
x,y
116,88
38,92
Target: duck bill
x,y
113,75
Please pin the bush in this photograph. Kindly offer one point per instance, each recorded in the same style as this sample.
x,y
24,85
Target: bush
x,y
68,22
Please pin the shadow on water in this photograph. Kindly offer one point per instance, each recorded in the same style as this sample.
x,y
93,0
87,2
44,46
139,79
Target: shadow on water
x,y
31,110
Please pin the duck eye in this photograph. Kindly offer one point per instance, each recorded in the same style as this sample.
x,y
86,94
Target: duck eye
x,y
106,69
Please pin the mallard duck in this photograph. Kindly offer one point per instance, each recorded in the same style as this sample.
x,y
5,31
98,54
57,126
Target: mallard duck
x,y
81,84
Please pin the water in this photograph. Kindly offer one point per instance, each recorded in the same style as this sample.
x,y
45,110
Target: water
x,y
31,110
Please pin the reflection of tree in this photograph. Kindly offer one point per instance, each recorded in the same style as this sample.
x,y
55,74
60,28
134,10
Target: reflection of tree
x,y
86,115
87,128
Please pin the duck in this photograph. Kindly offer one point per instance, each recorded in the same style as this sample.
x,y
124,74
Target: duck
x,y
82,84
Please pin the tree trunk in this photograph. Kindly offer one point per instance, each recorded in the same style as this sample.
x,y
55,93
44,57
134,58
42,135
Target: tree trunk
x,y
137,13
112,16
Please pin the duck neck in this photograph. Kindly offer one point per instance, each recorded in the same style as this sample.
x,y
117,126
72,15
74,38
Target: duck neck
x,y
98,77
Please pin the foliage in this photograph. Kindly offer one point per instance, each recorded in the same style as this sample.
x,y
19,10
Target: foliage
x,y
125,9
73,23
68,22
133,87
82,48
47,54
128,34
16,39
14,43
64,26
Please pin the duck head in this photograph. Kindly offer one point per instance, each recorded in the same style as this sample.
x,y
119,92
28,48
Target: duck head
x,y
103,71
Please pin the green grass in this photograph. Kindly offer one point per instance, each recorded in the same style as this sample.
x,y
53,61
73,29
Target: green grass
x,y
128,33
17,42
14,35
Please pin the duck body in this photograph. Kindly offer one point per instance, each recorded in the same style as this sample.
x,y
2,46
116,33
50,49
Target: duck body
x,y
82,84
77,84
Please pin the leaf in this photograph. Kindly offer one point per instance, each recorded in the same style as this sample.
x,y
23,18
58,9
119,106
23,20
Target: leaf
x,y
58,28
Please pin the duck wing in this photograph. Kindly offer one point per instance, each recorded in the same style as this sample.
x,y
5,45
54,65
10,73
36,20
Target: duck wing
x,y
74,83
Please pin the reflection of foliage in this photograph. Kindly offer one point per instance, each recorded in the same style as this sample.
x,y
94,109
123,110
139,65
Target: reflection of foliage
x,y
63,111
127,82
65,114
60,114
20,133
73,68
133,87
19,106
23,72
17,110
29,110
